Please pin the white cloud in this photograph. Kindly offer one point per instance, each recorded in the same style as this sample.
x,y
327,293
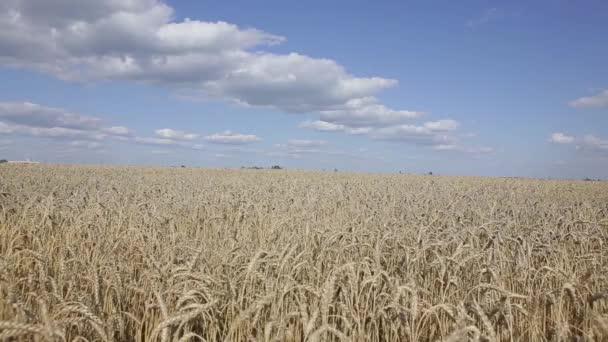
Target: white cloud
x,y
464,149
118,130
561,138
391,132
167,142
29,119
175,134
588,142
324,126
140,40
359,130
366,112
595,101
31,114
430,132
438,134
231,138
35,120
154,141
442,125
86,144
193,35
26,118
52,132
292,83
595,143
109,29
306,143
399,132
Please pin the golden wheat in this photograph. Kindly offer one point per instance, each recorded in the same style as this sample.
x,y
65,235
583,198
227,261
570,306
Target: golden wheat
x,y
95,253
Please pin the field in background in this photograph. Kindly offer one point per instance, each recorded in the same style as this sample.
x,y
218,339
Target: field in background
x,y
134,254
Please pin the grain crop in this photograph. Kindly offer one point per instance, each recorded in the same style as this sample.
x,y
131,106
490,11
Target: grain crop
x,y
99,253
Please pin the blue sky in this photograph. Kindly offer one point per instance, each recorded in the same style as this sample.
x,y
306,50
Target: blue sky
x,y
512,88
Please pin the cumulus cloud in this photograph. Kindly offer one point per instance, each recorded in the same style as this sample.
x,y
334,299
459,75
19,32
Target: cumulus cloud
x,y
437,134
231,138
154,141
431,132
118,130
30,119
171,137
167,142
325,126
561,138
587,142
594,143
463,149
442,125
322,126
168,133
107,31
31,114
86,144
292,83
26,118
434,134
402,132
306,143
140,40
366,112
596,101
49,132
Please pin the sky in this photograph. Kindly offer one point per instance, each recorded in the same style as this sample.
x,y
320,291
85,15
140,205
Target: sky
x,y
492,88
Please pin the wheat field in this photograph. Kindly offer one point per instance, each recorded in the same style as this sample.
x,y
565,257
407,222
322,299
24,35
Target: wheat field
x,y
95,253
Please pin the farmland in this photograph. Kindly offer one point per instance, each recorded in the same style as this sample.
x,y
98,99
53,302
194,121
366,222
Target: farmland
x,y
137,254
